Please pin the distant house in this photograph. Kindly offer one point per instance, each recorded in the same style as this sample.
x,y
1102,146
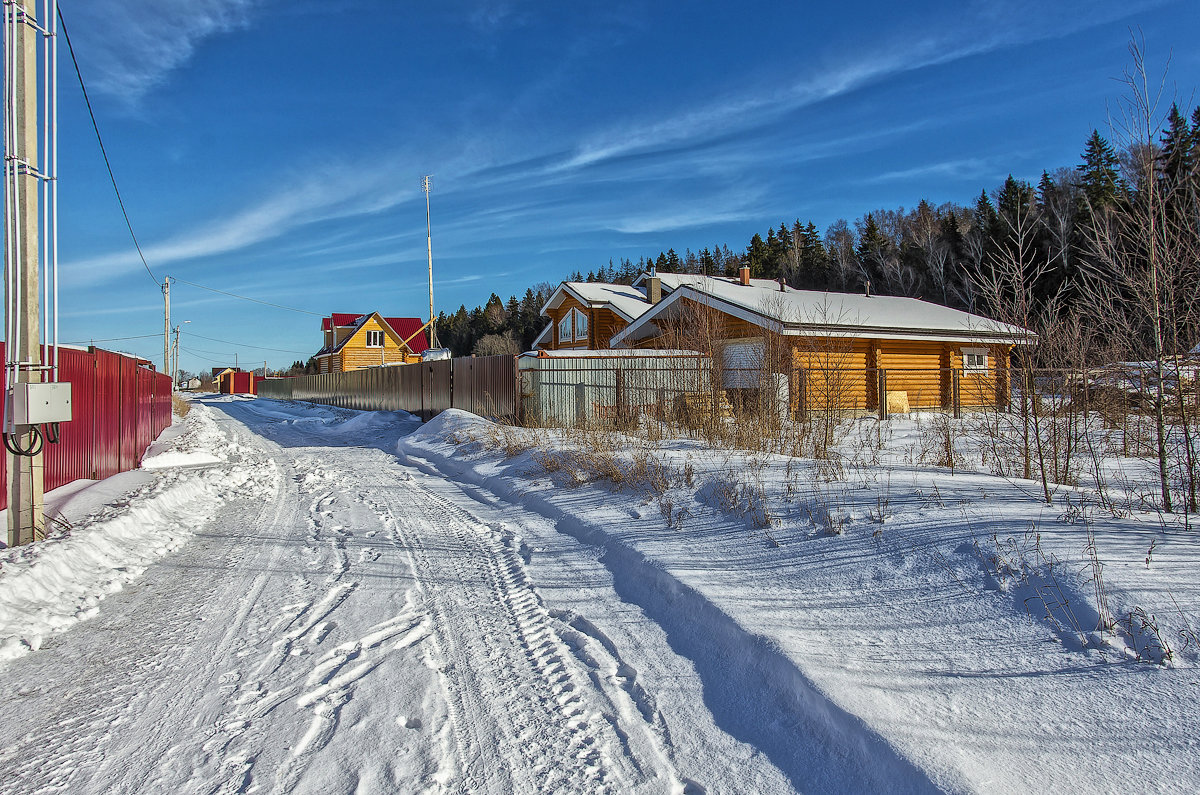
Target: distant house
x,y
352,342
821,342
231,381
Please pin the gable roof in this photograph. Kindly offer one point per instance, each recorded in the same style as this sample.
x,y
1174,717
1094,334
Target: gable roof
x,y
628,302
815,313
401,327
406,327
340,320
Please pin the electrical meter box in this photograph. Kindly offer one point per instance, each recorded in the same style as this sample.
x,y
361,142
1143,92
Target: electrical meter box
x,y
34,404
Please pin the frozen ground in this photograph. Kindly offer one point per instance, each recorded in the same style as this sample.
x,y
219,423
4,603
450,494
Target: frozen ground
x,y
291,598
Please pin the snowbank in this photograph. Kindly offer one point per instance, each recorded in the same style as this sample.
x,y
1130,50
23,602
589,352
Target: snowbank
x,y
949,618
106,533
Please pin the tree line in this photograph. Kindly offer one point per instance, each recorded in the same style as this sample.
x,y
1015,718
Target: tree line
x,y
952,254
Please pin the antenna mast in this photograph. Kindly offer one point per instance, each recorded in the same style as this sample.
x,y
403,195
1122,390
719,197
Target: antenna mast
x,y
427,185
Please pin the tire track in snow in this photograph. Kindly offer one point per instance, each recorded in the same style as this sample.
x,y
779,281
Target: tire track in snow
x,y
516,689
283,675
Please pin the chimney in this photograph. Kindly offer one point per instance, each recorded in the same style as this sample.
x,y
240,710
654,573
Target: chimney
x,y
654,290
744,275
782,289
868,288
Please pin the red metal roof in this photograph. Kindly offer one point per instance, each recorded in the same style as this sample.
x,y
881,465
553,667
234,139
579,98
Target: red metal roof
x,y
340,319
405,327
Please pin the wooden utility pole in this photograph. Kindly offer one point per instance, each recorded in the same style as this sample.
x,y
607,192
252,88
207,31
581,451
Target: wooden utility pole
x,y
25,484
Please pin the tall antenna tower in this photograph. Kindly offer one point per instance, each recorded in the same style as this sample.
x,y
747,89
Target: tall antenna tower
x,y
427,185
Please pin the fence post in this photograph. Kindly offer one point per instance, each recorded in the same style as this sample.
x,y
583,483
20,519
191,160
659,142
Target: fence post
x,y
620,396
802,395
956,391
883,412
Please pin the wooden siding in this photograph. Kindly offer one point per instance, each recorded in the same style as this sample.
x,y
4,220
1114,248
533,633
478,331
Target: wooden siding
x,y
355,355
835,373
603,325
915,367
556,314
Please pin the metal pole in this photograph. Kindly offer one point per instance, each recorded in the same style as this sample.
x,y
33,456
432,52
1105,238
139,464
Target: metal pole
x,y
427,185
166,291
25,483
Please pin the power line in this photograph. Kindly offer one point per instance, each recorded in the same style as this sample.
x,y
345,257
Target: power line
x,y
103,151
211,353
113,339
245,298
243,345
205,358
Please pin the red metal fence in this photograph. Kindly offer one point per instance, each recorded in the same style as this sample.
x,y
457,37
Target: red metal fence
x,y
118,408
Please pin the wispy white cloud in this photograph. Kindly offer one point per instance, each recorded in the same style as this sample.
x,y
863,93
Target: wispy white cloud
x,y
312,199
966,168
984,30
128,47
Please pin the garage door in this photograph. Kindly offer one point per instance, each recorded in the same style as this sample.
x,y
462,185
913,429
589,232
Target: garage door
x,y
742,364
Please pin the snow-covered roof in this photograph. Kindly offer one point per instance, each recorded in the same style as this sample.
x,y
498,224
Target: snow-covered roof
x,y
584,353
816,313
628,302
673,281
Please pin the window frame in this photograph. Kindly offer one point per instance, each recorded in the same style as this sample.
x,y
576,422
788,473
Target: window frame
x,y
581,325
976,369
372,334
567,323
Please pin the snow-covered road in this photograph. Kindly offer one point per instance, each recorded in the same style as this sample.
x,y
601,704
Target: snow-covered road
x,y
298,598
348,621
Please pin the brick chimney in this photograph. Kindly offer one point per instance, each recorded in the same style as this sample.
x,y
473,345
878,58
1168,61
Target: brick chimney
x,y
744,275
654,290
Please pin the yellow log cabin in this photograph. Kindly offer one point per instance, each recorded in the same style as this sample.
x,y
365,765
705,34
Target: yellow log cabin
x,y
353,342
836,350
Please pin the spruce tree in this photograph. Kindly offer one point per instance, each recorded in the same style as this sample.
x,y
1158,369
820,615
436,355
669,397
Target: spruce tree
x,y
1175,155
1098,174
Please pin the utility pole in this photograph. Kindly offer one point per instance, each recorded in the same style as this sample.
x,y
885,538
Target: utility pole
x,y
427,185
22,234
166,290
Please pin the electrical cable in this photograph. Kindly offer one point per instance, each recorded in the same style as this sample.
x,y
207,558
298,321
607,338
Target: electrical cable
x,y
246,298
36,443
114,339
205,358
103,151
244,345
51,432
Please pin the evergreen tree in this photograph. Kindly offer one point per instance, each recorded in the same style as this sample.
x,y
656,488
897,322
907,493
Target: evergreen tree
x,y
1099,177
1175,157
757,255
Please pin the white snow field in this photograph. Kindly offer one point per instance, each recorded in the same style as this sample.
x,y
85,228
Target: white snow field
x,y
297,598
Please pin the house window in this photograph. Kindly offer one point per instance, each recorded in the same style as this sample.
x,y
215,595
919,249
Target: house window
x,y
564,328
375,339
581,325
975,361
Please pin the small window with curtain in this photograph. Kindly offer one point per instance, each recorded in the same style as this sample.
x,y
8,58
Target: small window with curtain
x,y
975,361
375,339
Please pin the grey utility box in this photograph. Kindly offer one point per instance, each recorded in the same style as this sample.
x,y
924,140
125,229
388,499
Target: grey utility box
x,y
34,404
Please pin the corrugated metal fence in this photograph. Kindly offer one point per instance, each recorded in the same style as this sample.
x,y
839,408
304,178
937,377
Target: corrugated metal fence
x,y
487,385
118,408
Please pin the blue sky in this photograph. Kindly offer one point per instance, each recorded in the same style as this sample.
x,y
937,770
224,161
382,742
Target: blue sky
x,y
274,149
